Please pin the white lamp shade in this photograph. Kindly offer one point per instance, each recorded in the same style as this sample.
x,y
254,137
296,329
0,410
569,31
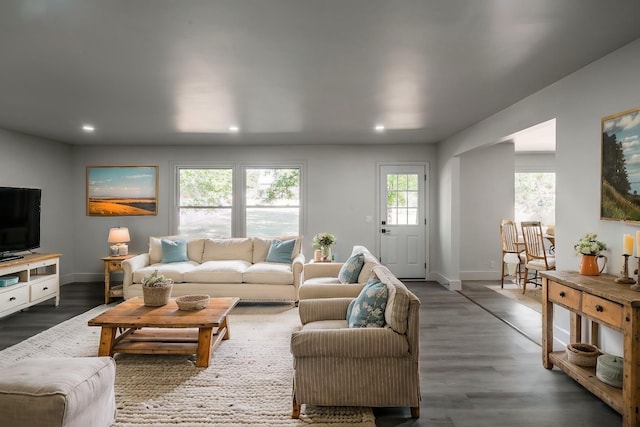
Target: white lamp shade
x,y
119,235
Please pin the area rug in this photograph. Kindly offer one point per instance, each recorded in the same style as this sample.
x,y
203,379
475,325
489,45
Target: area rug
x,y
248,382
532,297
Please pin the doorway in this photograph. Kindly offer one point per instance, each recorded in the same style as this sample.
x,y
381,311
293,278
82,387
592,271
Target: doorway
x,y
403,220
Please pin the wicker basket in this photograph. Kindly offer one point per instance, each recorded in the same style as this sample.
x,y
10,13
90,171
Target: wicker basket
x,y
158,295
583,354
192,302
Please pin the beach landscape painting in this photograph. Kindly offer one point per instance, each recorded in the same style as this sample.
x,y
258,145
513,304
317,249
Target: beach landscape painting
x,y
122,190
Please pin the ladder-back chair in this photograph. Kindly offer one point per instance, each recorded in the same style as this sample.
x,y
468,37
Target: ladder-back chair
x,y
512,249
538,258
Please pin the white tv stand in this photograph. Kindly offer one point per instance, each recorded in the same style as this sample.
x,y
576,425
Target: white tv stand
x,y
39,280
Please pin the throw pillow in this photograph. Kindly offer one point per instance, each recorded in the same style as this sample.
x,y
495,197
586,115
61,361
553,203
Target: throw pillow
x,y
368,308
280,251
350,270
174,251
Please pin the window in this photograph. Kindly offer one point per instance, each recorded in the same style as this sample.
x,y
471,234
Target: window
x,y
402,199
535,197
205,202
272,199
212,204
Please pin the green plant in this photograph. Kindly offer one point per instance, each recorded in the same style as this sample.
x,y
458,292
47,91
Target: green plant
x,y
156,280
589,245
323,240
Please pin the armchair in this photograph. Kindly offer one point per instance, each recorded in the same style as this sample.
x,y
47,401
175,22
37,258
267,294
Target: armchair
x,y
335,365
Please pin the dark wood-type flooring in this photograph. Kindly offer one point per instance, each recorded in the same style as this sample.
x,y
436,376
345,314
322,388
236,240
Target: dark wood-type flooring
x,y
480,361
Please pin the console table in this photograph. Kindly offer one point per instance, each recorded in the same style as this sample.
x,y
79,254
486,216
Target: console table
x,y
601,301
38,280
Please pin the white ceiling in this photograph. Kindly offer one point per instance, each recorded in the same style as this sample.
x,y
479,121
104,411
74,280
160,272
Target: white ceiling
x,y
288,71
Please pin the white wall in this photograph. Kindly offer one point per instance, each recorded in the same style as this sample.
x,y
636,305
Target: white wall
x,y
341,191
486,191
577,102
26,161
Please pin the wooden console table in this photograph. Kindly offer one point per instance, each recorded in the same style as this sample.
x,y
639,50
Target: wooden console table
x,y
601,301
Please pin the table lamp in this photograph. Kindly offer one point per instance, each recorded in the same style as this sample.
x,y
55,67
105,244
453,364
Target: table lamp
x,y
119,236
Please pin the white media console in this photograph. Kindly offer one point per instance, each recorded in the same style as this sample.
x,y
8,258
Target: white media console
x,y
38,280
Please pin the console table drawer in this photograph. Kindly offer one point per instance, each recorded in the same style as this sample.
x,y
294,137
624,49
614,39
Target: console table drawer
x,y
602,309
564,295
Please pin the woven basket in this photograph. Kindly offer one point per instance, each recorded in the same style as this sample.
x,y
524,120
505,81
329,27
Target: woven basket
x,y
582,354
157,296
192,302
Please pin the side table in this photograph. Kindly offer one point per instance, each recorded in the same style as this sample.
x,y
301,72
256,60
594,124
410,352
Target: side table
x,y
111,265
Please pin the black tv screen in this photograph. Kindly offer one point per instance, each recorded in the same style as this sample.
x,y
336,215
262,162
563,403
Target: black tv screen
x,y
19,219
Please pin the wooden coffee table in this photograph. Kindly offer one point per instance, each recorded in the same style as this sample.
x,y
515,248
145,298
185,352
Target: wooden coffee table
x,y
165,329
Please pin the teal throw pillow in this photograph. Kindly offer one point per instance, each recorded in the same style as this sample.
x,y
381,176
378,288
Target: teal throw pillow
x,y
350,270
280,251
367,310
174,251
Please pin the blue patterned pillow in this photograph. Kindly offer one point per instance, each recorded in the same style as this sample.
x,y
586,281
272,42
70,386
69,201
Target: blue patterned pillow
x,y
281,251
367,310
174,251
350,270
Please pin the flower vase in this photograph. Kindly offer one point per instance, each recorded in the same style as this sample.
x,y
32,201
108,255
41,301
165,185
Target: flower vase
x,y
326,253
589,265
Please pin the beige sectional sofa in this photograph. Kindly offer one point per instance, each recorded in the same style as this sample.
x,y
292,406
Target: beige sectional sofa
x,y
320,280
234,267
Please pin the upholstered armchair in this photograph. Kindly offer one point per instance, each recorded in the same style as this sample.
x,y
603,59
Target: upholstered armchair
x,y
335,365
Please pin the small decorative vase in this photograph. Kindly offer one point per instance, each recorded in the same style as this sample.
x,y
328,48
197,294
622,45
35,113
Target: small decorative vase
x,y
326,253
589,265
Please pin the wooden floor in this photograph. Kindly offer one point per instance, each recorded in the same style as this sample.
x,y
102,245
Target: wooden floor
x,y
480,364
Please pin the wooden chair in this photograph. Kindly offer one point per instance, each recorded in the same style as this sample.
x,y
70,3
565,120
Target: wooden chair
x,y
538,258
512,250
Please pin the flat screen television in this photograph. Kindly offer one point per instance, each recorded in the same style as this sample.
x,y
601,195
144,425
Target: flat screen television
x,y
19,221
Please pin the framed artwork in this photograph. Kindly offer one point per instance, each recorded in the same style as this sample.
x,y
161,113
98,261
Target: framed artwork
x,y
122,190
620,179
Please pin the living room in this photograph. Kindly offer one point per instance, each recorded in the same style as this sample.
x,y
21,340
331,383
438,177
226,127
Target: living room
x,y
340,176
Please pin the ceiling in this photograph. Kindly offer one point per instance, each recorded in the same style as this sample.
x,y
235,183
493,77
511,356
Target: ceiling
x,y
287,71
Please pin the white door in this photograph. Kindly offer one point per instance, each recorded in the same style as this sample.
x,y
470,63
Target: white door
x,y
403,220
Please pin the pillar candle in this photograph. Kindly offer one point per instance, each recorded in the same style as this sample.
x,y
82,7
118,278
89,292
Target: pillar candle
x,y
628,244
638,243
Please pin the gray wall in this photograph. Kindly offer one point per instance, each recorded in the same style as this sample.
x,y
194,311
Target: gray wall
x,y
486,191
31,162
341,188
577,102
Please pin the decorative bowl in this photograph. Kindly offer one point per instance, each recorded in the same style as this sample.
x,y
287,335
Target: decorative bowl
x,y
192,302
583,354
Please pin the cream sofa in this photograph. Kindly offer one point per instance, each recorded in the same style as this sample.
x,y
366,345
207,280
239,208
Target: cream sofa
x,y
335,365
320,280
234,267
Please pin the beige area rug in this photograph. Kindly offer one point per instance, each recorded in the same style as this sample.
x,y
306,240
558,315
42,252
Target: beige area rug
x,y
248,382
532,297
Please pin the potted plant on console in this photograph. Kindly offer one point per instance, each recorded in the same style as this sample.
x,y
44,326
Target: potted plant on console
x,y
156,290
322,243
589,249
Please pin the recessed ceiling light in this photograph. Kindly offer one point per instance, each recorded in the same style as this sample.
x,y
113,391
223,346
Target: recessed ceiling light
x,y
234,129
88,128
379,128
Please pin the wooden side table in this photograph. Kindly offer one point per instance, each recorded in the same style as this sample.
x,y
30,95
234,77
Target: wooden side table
x,y
111,265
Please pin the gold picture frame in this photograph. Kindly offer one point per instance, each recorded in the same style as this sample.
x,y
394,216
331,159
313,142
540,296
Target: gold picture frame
x,y
620,171
122,190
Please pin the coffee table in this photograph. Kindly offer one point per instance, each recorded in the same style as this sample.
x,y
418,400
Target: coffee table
x,y
132,327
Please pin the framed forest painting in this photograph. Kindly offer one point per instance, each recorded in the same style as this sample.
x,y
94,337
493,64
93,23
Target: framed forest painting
x,y
620,182
122,190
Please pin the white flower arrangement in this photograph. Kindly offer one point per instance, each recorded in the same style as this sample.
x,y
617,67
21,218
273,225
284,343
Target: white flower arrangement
x,y
589,245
